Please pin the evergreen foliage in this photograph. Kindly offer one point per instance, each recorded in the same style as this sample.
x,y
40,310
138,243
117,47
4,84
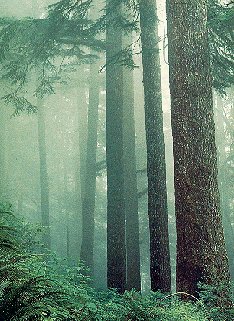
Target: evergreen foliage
x,y
220,24
62,40
54,45
34,289
35,285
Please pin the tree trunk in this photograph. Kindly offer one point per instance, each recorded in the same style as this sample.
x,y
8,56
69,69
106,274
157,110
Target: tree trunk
x,y
44,183
82,128
201,254
88,202
130,182
3,180
116,250
160,270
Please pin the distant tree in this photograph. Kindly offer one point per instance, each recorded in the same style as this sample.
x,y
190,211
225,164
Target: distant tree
x,y
130,179
223,129
116,247
44,181
201,253
88,201
160,270
3,186
82,113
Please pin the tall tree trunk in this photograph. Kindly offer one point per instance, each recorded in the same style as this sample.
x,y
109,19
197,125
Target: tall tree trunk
x,y
3,181
88,203
130,182
201,254
160,270
82,127
116,249
44,183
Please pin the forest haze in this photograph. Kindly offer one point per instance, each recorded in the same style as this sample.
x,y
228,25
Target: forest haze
x,y
116,160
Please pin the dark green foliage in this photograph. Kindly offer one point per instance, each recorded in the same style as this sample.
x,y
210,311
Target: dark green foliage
x,y
211,298
21,103
32,289
61,41
45,47
221,36
126,19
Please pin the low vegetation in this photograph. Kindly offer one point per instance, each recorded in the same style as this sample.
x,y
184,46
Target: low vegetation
x,y
38,286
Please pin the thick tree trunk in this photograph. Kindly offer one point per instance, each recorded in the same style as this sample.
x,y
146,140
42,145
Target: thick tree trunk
x,y
44,183
160,270
201,254
116,251
130,183
88,202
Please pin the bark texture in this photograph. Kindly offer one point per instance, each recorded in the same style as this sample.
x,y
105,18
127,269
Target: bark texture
x,y
201,254
160,270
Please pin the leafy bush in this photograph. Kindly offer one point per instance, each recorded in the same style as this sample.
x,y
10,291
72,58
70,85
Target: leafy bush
x,y
210,295
31,288
34,288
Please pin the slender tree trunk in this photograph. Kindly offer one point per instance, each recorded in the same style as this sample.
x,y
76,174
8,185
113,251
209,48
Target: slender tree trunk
x,y
3,182
44,183
88,203
116,250
82,128
201,254
130,182
160,270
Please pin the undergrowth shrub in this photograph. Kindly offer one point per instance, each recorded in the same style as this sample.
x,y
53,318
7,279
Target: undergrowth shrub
x,y
34,287
210,295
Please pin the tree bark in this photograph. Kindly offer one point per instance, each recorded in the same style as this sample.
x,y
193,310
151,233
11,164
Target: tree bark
x,y
160,270
116,249
201,254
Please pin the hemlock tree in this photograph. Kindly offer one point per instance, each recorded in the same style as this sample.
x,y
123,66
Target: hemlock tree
x,y
88,201
44,181
82,110
160,270
201,254
3,180
223,173
130,180
116,249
